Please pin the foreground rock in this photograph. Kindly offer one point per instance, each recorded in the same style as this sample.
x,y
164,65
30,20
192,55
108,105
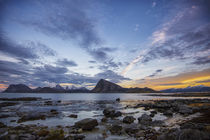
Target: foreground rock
x,y
111,113
144,119
31,117
116,129
186,134
128,119
87,124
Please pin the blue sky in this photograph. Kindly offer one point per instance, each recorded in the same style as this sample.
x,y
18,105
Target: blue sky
x,y
78,42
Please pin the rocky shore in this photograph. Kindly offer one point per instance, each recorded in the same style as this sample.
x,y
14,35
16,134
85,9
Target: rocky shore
x,y
44,119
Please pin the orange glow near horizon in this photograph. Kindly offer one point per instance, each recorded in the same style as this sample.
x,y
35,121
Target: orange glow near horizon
x,y
178,81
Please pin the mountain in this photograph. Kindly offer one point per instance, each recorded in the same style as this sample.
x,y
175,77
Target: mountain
x,y
104,86
21,88
59,87
199,88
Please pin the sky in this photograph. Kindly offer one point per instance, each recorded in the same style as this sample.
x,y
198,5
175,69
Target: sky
x,y
159,44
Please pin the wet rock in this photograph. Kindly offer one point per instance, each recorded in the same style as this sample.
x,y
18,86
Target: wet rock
x,y
5,104
118,99
157,123
75,137
117,114
54,112
86,124
4,116
57,134
73,116
140,134
108,112
144,119
104,120
76,131
168,113
26,137
31,117
43,133
143,127
48,103
152,115
192,126
21,99
111,113
128,119
185,134
153,112
183,109
2,125
131,129
116,129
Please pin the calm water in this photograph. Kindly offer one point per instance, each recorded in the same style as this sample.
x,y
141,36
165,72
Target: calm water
x,y
91,96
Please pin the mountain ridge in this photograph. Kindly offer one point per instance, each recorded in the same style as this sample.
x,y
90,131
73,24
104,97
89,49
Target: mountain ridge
x,y
199,88
103,86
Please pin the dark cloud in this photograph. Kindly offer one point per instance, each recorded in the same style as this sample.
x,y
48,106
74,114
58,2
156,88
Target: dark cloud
x,y
183,47
43,75
204,81
66,62
156,73
202,60
7,47
171,84
92,61
29,50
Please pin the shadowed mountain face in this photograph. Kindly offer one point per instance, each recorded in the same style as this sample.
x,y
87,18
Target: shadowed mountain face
x,y
188,89
18,88
103,86
106,86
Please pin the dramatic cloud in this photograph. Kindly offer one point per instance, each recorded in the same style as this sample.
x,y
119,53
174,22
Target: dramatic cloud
x,y
202,60
66,62
185,46
29,50
155,73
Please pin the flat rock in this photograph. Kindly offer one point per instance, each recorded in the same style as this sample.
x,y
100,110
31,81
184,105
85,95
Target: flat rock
x,y
87,124
128,119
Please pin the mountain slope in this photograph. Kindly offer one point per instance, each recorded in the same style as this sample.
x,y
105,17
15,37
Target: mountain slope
x,y
21,88
188,89
104,86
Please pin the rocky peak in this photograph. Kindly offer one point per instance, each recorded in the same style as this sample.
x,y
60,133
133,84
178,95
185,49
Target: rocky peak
x,y
18,88
106,86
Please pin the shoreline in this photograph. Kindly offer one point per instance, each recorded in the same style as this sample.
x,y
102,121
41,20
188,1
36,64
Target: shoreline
x,y
69,120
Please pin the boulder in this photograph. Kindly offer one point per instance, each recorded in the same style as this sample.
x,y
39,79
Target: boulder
x,y
117,114
111,113
108,112
115,129
118,99
73,116
131,129
86,124
144,119
128,119
183,109
168,113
